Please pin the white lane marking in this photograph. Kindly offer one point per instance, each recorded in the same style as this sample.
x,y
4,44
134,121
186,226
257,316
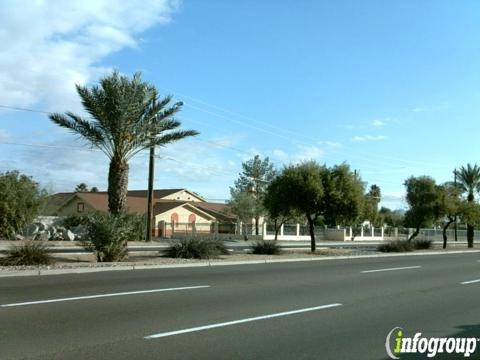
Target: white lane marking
x,y
390,269
470,282
228,323
104,295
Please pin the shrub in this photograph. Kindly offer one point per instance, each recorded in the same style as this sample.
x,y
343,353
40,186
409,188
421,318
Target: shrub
x,y
422,244
136,225
266,248
107,236
194,248
21,199
396,246
72,221
30,253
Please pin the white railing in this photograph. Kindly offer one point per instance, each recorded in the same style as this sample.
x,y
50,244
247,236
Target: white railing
x,y
324,234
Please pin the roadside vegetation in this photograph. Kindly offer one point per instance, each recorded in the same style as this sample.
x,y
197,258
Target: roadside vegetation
x,y
21,199
135,225
266,248
29,253
108,235
405,245
195,248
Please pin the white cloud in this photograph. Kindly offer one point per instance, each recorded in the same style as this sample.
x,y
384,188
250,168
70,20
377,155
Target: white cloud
x,y
48,46
378,123
368,138
298,154
63,163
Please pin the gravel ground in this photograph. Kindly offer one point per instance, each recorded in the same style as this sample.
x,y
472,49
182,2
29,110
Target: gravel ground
x,y
88,260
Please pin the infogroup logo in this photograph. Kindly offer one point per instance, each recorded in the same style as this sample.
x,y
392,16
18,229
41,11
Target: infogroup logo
x,y
397,344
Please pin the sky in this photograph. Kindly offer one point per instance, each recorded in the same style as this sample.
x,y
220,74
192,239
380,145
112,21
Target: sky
x,y
390,87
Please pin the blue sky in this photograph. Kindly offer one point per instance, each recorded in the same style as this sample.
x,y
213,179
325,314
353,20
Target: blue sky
x,y
391,87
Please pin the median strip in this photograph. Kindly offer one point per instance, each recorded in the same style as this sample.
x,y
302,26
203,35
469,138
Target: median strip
x,y
235,322
104,295
390,269
470,282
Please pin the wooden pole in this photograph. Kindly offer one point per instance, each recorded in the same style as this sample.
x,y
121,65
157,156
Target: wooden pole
x,y
151,170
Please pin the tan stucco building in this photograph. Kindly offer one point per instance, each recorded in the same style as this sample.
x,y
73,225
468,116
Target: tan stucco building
x,y
175,210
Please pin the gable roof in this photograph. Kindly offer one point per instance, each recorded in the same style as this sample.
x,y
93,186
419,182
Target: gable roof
x,y
218,210
54,202
99,201
135,204
157,194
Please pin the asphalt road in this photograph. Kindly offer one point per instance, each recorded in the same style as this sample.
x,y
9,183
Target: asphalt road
x,y
338,309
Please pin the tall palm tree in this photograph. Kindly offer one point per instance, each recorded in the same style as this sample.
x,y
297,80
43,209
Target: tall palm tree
x,y
469,181
126,117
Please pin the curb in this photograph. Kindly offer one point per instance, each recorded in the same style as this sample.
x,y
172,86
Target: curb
x,y
41,272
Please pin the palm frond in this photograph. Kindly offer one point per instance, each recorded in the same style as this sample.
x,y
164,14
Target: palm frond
x,y
174,136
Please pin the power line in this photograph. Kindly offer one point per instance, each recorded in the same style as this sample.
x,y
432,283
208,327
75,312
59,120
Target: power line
x,y
286,130
355,153
23,109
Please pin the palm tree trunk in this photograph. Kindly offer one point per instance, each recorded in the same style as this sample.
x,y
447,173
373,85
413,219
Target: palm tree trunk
x,y
470,233
117,186
470,228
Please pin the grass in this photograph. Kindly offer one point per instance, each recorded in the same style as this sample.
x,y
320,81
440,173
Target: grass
x,y
194,248
266,248
29,253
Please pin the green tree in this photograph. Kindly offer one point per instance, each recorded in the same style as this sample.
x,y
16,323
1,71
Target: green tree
x,y
242,205
422,198
449,207
82,187
277,205
343,195
470,212
469,181
20,201
94,189
370,208
254,178
303,191
393,218
126,117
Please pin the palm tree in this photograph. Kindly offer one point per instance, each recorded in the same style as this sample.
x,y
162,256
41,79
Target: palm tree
x,y
469,182
126,117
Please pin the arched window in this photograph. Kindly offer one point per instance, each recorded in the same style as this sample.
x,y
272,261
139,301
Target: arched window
x,y
174,219
192,218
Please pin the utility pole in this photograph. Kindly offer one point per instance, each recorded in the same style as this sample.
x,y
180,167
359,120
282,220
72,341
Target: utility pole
x,y
455,182
151,170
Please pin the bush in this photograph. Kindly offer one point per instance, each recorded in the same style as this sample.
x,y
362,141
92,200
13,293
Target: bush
x,y
135,225
30,253
266,248
107,236
72,221
396,246
194,248
21,199
420,244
